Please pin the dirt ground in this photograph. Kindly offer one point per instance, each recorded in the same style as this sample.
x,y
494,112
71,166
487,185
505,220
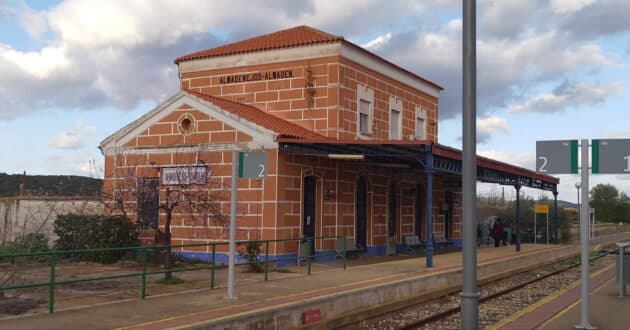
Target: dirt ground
x,y
78,294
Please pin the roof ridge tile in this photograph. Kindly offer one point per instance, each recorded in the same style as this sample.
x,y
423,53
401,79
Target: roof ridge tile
x,y
301,35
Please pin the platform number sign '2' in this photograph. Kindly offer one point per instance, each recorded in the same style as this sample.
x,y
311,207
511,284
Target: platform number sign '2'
x,y
252,165
556,157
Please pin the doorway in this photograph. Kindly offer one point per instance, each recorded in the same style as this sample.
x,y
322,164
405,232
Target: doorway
x,y
418,210
392,218
361,213
448,214
309,208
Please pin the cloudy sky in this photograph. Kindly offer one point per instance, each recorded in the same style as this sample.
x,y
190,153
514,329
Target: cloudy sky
x,y
73,72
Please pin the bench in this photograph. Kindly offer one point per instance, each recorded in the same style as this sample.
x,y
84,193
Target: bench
x,y
440,242
350,246
412,242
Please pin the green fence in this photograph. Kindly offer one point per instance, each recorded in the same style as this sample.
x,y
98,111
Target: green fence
x,y
54,256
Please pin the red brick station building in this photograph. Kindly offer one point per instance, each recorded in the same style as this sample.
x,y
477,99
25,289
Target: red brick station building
x,y
351,139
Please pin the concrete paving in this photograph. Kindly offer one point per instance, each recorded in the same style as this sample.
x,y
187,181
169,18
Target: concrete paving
x,y
199,307
606,310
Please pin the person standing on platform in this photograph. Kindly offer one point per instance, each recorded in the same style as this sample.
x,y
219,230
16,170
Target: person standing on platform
x,y
497,232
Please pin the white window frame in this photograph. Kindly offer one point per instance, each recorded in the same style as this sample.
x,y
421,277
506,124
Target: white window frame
x,y
396,105
420,114
365,94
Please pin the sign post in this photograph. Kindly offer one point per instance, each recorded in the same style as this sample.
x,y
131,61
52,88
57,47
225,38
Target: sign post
x,y
252,165
585,323
541,208
609,156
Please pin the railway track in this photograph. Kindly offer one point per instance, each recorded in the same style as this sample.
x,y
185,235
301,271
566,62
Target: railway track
x,y
498,300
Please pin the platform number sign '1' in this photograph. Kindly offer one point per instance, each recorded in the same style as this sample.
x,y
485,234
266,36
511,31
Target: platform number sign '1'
x,y
557,157
611,156
252,165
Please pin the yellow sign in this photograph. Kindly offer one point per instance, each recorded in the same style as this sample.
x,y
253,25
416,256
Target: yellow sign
x,y
541,208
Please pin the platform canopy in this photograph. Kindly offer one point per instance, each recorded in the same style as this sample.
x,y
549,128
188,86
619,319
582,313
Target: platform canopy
x,y
421,155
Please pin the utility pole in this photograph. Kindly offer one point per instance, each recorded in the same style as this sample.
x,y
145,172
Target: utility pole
x,y
470,294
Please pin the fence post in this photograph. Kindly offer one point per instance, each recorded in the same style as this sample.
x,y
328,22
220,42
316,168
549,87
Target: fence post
x,y
144,274
344,253
214,250
51,289
266,260
310,255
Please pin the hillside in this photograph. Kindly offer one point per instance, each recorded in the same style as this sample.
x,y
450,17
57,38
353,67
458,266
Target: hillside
x,y
51,185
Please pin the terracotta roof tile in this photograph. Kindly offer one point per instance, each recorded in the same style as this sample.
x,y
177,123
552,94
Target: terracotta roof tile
x,y
297,36
252,114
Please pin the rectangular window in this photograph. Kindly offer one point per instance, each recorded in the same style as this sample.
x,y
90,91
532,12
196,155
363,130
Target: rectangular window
x,y
148,201
364,117
420,128
421,124
394,125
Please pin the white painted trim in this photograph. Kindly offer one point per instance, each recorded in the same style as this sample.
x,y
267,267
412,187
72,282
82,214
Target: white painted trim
x,y
252,145
261,57
261,137
390,70
395,104
366,94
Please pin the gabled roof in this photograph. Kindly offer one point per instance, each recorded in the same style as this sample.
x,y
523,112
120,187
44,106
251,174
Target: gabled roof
x,y
260,125
254,115
293,37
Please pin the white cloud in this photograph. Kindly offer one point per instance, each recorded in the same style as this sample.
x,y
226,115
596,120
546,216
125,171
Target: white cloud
x,y
569,95
36,64
508,18
525,160
73,139
34,22
569,6
489,125
378,42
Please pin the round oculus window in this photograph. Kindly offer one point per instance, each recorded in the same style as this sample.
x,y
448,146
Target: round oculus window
x,y
186,124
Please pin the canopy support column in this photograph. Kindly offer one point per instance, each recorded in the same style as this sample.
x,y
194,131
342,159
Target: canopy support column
x,y
555,215
429,241
518,215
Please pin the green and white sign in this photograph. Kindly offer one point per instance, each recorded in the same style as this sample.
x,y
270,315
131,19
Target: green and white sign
x,y
252,165
557,157
611,156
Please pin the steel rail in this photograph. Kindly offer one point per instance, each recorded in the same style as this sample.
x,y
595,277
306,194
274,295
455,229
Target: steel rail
x,y
443,314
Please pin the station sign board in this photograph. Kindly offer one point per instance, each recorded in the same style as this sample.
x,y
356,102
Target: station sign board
x,y
252,165
184,175
557,157
611,156
541,208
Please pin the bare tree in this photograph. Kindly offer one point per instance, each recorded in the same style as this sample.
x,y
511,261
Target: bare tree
x,y
155,196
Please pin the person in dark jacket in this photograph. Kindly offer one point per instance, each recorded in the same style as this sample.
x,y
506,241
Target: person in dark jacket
x,y
498,233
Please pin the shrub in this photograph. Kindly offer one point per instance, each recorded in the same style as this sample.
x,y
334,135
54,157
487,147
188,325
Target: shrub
x,y
30,243
250,253
77,232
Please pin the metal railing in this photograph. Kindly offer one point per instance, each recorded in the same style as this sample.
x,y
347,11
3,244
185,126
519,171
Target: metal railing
x,y
54,256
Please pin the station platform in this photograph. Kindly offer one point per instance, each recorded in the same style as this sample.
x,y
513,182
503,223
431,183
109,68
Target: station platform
x,y
325,299
563,310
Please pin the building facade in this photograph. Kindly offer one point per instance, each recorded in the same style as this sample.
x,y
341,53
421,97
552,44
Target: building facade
x,y
351,140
